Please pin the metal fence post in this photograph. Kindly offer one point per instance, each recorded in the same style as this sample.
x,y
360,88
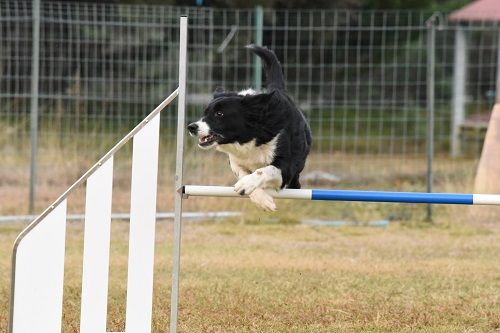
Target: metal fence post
x,y
459,89
431,53
257,66
35,56
497,86
212,50
181,112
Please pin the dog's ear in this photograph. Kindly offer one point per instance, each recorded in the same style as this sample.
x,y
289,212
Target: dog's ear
x,y
220,92
258,99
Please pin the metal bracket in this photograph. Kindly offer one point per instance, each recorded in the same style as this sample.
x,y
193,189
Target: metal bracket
x,y
182,191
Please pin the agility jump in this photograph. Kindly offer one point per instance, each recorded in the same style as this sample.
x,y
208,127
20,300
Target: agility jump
x,y
38,255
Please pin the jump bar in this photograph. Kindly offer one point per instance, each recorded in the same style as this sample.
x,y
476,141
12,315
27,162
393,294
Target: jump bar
x,y
350,195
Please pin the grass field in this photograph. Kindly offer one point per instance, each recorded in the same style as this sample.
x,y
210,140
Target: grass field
x,y
268,273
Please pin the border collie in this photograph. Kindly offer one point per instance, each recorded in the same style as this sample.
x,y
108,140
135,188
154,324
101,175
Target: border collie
x,y
264,134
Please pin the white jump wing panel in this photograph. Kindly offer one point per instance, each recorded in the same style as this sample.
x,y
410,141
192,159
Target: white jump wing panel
x,y
142,228
96,250
39,276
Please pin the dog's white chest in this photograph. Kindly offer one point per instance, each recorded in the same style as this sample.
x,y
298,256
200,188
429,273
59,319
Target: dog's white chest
x,y
249,156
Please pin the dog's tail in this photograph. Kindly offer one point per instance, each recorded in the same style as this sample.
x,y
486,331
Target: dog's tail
x,y
272,66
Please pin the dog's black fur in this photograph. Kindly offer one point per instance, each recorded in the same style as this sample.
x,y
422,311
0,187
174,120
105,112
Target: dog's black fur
x,y
235,118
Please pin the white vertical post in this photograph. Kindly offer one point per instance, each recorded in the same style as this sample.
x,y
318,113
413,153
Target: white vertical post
x,y
178,174
459,91
142,228
94,306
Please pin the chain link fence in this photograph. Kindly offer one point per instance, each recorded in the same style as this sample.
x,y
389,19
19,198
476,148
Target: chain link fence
x,y
359,76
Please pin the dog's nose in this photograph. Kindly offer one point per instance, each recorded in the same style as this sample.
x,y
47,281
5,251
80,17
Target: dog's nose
x,y
192,128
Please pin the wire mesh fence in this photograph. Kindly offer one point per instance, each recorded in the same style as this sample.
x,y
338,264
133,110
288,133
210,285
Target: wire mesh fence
x,y
359,76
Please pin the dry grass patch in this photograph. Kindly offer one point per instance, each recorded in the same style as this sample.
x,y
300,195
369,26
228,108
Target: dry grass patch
x,y
274,277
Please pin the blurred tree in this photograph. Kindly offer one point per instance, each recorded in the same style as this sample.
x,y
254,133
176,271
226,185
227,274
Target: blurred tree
x,y
397,4
438,5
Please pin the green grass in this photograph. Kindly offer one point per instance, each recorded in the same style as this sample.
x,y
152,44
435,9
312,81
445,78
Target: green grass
x,y
394,129
362,129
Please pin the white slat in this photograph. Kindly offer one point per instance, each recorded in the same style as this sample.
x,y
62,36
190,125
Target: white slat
x,y
38,301
96,250
142,228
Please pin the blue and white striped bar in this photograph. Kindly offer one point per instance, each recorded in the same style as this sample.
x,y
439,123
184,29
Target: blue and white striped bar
x,y
349,195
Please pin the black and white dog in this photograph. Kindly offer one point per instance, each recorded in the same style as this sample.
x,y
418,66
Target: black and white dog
x,y
264,134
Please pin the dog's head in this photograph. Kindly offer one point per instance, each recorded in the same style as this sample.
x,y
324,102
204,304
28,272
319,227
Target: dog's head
x,y
229,118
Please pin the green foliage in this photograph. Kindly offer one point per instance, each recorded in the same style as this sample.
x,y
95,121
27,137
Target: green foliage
x,y
448,5
437,5
397,4
276,4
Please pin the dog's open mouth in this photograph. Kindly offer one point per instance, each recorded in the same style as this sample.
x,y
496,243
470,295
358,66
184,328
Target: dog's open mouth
x,y
207,140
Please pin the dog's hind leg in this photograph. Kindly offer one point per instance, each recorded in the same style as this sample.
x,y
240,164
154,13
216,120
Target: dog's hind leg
x,y
294,183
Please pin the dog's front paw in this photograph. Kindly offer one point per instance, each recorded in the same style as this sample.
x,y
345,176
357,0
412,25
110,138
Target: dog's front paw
x,y
262,199
246,185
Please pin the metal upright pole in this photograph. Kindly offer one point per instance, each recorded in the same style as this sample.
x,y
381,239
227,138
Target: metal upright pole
x,y
459,89
498,65
178,174
431,53
35,56
257,65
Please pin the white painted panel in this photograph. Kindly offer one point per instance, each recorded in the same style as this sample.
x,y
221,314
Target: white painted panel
x,y
142,228
96,250
40,276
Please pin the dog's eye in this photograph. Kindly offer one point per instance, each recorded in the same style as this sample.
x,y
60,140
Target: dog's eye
x,y
219,114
